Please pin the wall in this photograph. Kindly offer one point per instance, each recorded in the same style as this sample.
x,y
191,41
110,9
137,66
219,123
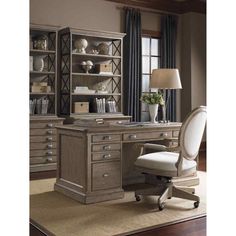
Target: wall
x,y
193,61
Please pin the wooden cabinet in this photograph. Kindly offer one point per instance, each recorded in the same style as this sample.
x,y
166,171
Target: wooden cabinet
x,y
43,70
43,143
43,97
90,71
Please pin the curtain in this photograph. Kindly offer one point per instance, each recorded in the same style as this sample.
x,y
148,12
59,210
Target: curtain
x,y
132,64
168,57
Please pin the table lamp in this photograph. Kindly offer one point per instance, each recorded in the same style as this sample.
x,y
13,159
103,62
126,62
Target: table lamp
x,y
165,79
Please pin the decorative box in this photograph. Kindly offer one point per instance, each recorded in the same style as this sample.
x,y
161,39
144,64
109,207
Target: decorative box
x,y
81,107
103,68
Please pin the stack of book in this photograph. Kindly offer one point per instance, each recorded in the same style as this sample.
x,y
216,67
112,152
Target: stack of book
x,y
103,106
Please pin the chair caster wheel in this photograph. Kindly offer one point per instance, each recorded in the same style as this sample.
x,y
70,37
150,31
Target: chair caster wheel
x,y
196,204
138,198
193,192
161,206
169,197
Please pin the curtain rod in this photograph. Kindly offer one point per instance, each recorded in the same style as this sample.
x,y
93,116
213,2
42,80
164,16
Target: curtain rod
x,y
143,9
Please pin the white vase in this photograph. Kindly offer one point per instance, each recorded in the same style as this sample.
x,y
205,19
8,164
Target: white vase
x,y
38,63
153,109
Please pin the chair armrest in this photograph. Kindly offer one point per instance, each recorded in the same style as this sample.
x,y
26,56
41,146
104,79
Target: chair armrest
x,y
156,147
173,149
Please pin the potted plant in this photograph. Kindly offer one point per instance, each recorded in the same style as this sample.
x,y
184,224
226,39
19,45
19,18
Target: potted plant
x,y
153,100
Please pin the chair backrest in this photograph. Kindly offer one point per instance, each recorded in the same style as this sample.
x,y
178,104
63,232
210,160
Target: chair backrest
x,y
191,133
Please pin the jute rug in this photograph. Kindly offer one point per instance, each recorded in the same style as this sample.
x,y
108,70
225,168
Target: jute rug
x,y
63,216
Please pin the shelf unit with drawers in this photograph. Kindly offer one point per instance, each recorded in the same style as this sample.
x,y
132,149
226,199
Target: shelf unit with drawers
x,y
72,73
42,124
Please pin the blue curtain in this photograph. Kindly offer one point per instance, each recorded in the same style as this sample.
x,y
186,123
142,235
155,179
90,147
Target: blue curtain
x,y
168,56
132,64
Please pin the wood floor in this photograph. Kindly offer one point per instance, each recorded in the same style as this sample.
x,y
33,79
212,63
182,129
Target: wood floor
x,y
196,227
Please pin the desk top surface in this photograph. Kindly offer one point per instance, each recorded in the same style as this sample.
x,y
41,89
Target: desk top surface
x,y
132,126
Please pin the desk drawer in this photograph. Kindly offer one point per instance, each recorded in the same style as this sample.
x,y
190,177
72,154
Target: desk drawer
x,y
105,156
176,133
106,137
105,147
34,146
42,160
44,125
46,152
44,138
106,175
147,136
42,131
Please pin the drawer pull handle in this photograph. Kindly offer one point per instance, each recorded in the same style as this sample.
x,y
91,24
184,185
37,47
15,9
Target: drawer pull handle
x,y
106,156
163,135
50,125
49,131
133,136
105,175
49,138
50,146
49,153
107,147
49,159
107,137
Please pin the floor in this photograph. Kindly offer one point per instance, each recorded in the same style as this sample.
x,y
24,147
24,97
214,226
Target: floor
x,y
196,227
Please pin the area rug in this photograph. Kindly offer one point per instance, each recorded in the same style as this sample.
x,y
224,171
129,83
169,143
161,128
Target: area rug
x,y
62,216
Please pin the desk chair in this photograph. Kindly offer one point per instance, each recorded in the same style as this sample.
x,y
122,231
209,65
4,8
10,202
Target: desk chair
x,y
174,161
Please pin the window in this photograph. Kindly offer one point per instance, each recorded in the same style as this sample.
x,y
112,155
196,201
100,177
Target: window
x,y
150,61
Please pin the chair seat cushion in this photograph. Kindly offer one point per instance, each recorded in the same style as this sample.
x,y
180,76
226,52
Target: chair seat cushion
x,y
164,162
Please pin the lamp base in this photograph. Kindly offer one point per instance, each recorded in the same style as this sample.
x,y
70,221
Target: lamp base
x,y
164,121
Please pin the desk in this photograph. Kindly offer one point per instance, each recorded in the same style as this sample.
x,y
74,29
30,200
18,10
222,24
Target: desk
x,y
95,162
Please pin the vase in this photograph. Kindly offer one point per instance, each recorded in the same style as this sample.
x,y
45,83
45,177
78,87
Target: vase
x,y
153,108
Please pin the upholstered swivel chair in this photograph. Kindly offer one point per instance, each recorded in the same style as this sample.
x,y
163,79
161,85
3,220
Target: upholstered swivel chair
x,y
179,161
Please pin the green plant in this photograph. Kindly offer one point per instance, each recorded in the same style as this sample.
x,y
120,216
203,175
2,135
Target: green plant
x,y
153,98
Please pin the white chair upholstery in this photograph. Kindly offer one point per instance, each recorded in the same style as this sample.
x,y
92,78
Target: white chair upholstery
x,y
175,162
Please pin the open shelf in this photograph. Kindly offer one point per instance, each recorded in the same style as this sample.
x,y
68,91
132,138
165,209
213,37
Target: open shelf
x,y
42,72
50,93
95,75
41,52
96,94
86,55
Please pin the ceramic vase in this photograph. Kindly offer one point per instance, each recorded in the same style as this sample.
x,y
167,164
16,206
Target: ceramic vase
x,y
153,109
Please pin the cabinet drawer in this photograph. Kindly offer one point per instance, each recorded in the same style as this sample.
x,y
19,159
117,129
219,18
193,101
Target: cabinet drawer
x,y
105,147
106,137
42,146
105,156
44,125
175,133
106,175
42,131
35,153
42,160
40,139
147,136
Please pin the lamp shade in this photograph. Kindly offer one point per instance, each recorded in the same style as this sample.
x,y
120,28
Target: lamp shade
x,y
165,79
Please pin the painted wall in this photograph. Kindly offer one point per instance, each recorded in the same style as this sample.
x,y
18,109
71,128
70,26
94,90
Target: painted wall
x,y
193,61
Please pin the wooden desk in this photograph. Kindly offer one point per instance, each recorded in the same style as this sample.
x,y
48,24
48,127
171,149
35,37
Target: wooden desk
x,y
94,163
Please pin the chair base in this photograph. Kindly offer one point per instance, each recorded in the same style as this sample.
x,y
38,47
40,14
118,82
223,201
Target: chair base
x,y
167,192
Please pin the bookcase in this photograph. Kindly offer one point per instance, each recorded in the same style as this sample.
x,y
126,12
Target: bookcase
x,y
90,70
43,97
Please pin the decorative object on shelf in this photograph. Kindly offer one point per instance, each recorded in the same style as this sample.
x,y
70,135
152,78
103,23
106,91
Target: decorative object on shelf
x,y
87,65
32,105
40,87
165,79
104,69
94,51
38,63
81,45
111,106
101,87
81,107
103,48
40,42
100,105
42,106
31,63
153,100
83,90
